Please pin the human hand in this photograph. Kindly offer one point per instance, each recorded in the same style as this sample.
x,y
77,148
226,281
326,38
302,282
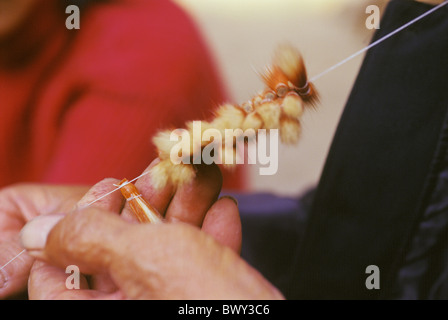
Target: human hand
x,y
164,261
19,204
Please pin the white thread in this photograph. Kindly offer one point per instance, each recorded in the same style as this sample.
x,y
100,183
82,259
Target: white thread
x,y
84,207
13,259
112,191
387,36
134,197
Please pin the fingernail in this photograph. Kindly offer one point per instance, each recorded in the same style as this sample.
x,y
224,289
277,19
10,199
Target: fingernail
x,y
2,279
34,234
231,198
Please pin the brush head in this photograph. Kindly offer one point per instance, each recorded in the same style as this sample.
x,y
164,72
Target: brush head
x,y
280,106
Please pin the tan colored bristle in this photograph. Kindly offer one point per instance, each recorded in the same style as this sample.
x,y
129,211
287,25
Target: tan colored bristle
x,y
160,173
182,174
292,105
290,130
163,143
228,117
252,121
270,113
290,62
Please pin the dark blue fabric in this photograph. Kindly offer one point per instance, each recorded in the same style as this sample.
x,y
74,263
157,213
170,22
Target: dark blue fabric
x,y
421,275
381,183
383,163
272,228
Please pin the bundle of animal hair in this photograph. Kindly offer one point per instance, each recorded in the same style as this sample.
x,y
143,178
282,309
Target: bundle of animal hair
x,y
279,106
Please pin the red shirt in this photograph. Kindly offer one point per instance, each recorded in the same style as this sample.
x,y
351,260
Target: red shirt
x,y
77,106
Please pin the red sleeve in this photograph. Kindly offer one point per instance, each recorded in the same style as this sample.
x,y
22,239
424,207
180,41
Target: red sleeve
x,y
105,137
102,137
131,94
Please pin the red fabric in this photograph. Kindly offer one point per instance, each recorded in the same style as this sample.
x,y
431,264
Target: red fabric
x,y
80,106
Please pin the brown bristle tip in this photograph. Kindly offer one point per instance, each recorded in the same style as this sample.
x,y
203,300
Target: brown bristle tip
x,y
290,62
290,130
274,76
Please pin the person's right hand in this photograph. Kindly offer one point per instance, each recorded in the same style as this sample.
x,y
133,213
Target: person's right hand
x,y
163,261
192,256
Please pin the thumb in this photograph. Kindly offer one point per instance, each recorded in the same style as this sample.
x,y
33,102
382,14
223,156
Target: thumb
x,y
88,239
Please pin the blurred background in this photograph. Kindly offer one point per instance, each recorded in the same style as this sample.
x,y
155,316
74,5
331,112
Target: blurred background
x,y
243,34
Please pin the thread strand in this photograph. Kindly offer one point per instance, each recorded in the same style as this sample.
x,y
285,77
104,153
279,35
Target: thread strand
x,y
373,44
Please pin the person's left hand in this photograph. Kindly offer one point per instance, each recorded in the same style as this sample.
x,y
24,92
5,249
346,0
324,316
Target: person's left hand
x,y
18,204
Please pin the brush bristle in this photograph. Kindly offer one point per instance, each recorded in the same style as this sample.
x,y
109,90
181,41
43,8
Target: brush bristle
x,y
228,116
270,114
182,174
253,121
274,76
290,130
163,143
290,62
292,105
160,173
311,96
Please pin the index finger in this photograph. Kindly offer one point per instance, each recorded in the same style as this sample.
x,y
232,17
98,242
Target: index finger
x,y
192,200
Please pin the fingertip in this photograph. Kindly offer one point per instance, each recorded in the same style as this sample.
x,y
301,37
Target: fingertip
x,y
229,197
223,223
33,235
